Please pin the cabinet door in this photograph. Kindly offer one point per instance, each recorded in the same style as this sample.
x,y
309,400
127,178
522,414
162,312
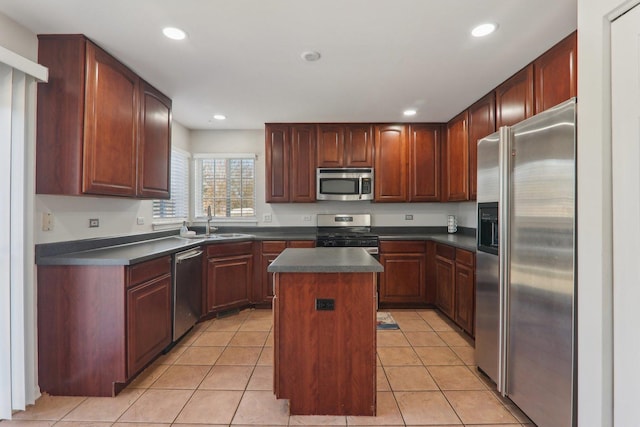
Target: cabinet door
x,y
465,296
424,165
514,98
154,147
278,146
330,146
111,126
358,146
228,281
403,279
482,122
456,160
556,73
391,157
303,164
148,322
445,285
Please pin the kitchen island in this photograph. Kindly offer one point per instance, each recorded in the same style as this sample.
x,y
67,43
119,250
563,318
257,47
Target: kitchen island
x,y
325,330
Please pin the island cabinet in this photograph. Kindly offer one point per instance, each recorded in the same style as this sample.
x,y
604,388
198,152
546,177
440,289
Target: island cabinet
x,y
455,285
482,122
269,251
391,159
290,152
455,160
98,326
515,98
229,276
101,130
404,278
555,74
345,145
325,331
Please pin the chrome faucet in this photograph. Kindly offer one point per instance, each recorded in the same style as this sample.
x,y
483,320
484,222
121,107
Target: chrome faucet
x,y
209,218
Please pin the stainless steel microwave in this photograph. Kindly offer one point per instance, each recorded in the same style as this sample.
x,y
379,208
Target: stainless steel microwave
x,y
344,184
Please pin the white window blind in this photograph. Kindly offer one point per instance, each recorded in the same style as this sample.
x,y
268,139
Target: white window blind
x,y
226,182
177,207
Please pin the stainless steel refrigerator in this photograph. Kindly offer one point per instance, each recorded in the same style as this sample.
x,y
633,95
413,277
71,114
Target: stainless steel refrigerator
x,y
526,264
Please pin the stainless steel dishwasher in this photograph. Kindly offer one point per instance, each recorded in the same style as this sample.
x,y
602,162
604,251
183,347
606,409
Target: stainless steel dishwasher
x,y
187,291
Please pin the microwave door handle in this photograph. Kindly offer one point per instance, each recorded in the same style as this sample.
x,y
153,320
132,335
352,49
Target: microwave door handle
x,y
360,187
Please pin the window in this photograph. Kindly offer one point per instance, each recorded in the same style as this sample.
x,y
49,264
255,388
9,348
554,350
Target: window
x,y
177,208
226,182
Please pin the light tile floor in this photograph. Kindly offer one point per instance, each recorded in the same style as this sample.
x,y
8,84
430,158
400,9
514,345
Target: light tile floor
x,y
221,374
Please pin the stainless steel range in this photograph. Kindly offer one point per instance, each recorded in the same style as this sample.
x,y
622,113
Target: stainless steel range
x,y
346,230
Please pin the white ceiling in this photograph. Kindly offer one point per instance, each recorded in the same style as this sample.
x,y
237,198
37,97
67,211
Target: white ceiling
x,y
379,57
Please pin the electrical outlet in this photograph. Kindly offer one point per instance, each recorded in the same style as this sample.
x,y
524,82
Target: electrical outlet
x,y
140,220
408,217
266,217
47,221
94,222
306,218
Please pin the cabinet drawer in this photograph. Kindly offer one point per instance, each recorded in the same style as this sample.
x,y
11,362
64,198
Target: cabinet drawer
x,y
274,246
148,270
445,251
464,257
225,249
402,246
302,244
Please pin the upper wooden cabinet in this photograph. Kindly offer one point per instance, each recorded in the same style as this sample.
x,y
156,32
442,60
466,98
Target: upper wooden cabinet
x,y
424,162
482,122
514,98
556,73
90,139
290,152
345,145
155,143
455,164
391,158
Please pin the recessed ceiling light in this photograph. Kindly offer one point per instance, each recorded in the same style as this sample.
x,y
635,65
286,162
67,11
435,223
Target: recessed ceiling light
x,y
310,55
219,116
410,112
174,33
483,30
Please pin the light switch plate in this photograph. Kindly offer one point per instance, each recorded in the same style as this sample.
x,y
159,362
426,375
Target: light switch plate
x,y
47,221
266,217
408,217
140,220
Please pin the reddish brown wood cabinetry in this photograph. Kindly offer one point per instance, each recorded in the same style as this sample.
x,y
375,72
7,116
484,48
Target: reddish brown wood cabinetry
x,y
482,122
345,145
404,276
100,325
514,98
465,290
455,166
155,143
455,285
290,163
424,162
391,158
556,74
229,275
269,251
445,279
90,139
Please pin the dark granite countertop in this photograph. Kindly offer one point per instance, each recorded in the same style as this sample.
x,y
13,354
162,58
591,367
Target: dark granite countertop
x,y
325,260
128,250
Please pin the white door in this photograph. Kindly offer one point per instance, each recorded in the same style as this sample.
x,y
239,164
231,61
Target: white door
x,y
625,94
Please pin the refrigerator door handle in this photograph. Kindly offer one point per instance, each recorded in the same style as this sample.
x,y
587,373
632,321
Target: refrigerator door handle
x,y
503,236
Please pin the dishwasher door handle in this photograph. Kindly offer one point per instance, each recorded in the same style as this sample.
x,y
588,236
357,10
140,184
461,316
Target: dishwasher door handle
x,y
187,255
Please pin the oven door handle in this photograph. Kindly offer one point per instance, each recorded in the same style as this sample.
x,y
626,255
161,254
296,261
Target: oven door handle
x,y
372,251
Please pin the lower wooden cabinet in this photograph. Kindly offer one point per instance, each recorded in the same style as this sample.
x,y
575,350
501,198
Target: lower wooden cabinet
x,y
455,285
98,326
229,275
269,251
148,321
404,276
